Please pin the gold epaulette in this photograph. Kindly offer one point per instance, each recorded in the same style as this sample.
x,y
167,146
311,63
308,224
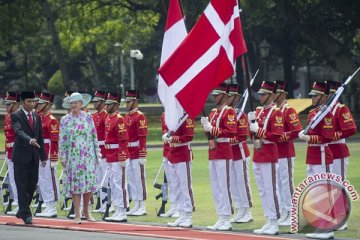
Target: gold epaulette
x,y
140,112
259,107
52,117
214,109
314,109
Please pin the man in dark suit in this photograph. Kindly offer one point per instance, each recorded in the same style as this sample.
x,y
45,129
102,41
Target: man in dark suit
x,y
27,151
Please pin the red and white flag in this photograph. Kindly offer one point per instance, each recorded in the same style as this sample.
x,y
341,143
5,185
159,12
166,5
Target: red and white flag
x,y
206,57
175,33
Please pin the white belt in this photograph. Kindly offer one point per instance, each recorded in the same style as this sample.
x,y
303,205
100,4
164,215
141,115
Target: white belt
x,y
9,144
238,144
222,140
341,141
101,143
111,146
47,140
178,144
267,142
318,145
133,144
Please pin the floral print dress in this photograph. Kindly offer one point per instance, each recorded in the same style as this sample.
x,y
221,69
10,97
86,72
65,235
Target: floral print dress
x,y
78,147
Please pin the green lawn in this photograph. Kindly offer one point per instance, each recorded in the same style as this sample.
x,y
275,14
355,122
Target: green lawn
x,y
205,211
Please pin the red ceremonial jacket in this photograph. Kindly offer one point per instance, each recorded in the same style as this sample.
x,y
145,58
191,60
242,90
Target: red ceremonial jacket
x,y
137,129
292,127
240,138
50,128
344,127
164,129
227,128
179,147
116,138
271,135
99,120
9,136
323,133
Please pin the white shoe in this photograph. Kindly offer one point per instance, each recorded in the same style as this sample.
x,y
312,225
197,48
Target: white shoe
x,y
5,203
177,221
239,214
273,229
187,222
118,216
226,224
135,208
261,230
217,224
67,208
246,218
175,215
343,227
101,209
140,211
51,213
13,212
169,213
329,235
285,219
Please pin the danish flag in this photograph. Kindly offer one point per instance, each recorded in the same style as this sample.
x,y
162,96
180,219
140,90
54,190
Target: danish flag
x,y
206,57
175,33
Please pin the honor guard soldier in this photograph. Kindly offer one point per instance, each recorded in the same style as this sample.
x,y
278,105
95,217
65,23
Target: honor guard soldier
x,y
169,172
286,151
180,157
117,156
37,98
267,126
319,158
12,103
137,129
48,183
221,126
240,176
99,119
344,127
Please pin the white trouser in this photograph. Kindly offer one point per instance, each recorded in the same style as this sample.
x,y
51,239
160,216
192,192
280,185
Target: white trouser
x,y
182,180
318,168
173,189
10,166
118,184
339,167
240,183
136,179
265,177
220,185
285,182
100,173
48,183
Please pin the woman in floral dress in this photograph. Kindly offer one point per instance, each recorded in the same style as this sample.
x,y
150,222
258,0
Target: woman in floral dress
x,y
79,152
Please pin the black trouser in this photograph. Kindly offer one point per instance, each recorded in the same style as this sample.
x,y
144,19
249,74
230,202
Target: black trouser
x,y
26,178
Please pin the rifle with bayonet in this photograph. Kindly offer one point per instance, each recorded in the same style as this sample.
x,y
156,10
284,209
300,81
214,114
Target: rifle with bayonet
x,y
240,106
326,108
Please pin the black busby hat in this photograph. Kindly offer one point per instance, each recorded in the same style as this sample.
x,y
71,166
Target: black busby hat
x,y
131,95
27,95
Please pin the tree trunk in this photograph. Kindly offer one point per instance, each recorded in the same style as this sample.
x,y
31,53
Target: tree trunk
x,y
287,52
56,44
91,57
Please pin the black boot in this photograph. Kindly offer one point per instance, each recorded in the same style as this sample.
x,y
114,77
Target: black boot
x,y
38,209
9,208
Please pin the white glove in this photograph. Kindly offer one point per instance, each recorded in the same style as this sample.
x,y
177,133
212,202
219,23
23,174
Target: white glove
x,y
53,164
251,116
254,127
207,127
98,155
123,163
164,137
204,120
142,161
303,136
